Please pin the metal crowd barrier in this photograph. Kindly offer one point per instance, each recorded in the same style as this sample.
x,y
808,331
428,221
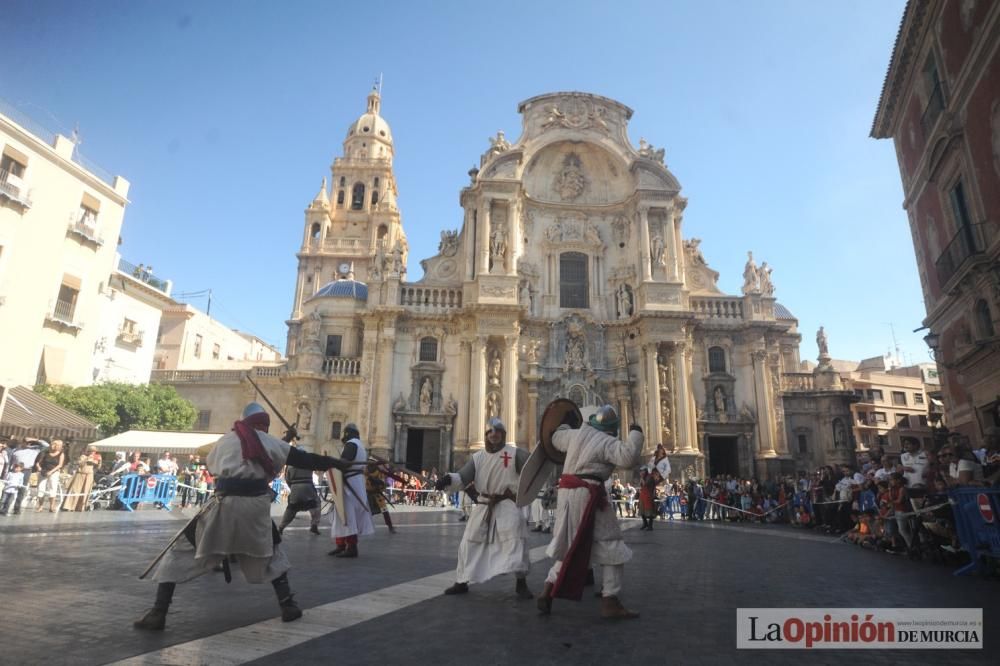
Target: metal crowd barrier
x,y
139,488
977,521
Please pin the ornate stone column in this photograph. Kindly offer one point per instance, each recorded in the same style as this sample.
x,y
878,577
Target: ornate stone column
x,y
654,423
382,402
765,405
461,435
647,274
684,417
690,406
477,393
509,407
483,239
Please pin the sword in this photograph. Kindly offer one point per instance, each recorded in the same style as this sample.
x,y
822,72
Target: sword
x,y
288,426
175,538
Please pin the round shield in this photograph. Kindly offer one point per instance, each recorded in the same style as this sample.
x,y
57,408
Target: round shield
x,y
558,412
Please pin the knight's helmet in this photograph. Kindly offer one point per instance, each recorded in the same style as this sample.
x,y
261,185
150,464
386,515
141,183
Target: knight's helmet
x,y
605,419
495,424
351,431
253,408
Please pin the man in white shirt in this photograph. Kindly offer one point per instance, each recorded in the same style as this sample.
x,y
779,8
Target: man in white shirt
x,y
914,463
26,454
885,471
167,464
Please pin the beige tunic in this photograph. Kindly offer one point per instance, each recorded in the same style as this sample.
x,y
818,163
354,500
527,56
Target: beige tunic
x,y
232,525
590,451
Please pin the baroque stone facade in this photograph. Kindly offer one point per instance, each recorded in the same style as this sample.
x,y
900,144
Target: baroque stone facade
x,y
567,277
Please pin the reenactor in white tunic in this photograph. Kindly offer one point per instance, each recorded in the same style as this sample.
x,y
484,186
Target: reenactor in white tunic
x,y
495,536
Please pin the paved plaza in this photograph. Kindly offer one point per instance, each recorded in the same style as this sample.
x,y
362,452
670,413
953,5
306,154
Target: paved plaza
x,y
71,593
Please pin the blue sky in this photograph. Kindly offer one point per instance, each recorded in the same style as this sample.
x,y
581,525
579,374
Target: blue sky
x,y
225,117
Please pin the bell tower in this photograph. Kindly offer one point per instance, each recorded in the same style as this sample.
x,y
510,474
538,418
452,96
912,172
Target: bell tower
x,y
354,228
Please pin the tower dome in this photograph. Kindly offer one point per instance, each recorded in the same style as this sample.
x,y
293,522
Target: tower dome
x,y
371,125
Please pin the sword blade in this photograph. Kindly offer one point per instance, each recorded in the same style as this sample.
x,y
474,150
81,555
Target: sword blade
x,y
269,403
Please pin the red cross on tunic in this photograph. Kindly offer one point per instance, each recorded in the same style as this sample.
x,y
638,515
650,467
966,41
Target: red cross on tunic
x,y
506,459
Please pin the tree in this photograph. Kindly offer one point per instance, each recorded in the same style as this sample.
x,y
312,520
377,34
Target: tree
x,y
119,407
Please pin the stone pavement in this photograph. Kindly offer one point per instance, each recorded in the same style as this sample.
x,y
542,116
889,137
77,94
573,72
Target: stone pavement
x,y
71,594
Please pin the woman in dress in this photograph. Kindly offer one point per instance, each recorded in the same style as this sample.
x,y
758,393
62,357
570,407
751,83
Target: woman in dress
x,y
78,493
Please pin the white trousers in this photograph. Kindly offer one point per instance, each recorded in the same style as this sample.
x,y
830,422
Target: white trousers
x,y
611,577
49,486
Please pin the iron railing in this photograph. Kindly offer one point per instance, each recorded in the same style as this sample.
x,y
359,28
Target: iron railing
x,y
143,274
969,241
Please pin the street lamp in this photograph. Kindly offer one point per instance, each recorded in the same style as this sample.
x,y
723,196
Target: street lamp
x,y
933,341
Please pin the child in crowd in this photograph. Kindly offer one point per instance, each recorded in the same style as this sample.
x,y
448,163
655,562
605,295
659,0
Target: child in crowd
x,y
12,482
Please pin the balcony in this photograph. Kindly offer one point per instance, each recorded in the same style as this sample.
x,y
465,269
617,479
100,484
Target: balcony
x,y
130,336
339,365
797,381
718,308
62,315
144,275
13,189
430,299
968,242
84,228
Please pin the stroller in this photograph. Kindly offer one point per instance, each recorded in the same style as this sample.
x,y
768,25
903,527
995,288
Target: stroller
x,y
101,495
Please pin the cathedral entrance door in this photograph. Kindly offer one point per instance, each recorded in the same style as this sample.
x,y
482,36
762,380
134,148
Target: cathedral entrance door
x,y
723,456
423,448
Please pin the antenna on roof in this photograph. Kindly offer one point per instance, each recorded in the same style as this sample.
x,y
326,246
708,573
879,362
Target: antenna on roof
x,y
378,84
897,360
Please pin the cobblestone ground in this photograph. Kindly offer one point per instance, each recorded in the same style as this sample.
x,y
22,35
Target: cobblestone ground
x,y
71,593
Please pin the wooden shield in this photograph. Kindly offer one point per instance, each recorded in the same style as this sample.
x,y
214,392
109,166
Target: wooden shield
x,y
536,471
558,412
336,480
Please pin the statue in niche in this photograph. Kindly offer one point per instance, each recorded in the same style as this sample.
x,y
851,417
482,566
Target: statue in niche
x,y
304,417
665,413
624,298
531,350
592,235
571,182
664,371
397,259
451,407
821,342
751,278
493,405
400,404
449,243
494,368
657,250
426,392
575,351
526,296
766,286
311,330
498,246
719,397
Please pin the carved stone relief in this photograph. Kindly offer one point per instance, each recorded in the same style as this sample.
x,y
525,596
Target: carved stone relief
x,y
571,180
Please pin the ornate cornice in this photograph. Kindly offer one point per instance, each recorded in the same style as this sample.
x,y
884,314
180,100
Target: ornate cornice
x,y
908,43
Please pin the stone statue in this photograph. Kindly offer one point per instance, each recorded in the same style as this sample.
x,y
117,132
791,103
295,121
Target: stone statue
x,y
494,369
449,243
312,326
498,144
664,370
694,255
492,405
570,183
425,396
649,152
451,407
305,417
400,404
751,280
766,286
720,399
397,259
526,295
575,352
821,342
657,251
624,301
498,246
665,412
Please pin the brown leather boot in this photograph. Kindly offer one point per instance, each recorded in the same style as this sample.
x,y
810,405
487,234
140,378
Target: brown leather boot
x,y
351,551
544,600
612,608
154,620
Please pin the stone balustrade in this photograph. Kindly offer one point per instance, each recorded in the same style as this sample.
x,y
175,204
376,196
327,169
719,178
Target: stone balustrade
x,y
718,307
430,299
797,381
338,365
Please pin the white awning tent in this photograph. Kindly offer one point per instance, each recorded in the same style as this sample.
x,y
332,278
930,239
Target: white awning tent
x,y
154,442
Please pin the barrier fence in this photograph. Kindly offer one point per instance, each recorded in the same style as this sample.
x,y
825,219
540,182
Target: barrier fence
x,y
156,488
977,511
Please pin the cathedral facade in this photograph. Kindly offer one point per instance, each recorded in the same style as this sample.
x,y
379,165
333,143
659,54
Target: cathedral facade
x,y
568,276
